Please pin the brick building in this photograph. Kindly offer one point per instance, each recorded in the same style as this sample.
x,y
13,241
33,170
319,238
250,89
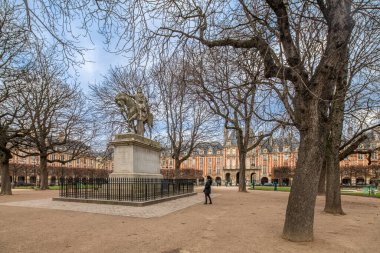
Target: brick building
x,y
25,170
222,161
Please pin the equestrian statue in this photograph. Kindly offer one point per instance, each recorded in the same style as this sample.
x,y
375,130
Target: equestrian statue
x,y
135,110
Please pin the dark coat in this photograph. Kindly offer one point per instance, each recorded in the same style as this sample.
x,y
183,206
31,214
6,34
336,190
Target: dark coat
x,y
207,189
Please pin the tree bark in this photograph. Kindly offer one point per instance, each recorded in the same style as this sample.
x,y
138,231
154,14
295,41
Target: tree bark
x,y
333,202
299,218
242,184
43,173
242,155
6,188
177,167
322,180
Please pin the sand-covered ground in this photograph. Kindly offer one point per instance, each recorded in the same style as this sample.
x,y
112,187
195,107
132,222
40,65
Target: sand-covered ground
x,y
236,222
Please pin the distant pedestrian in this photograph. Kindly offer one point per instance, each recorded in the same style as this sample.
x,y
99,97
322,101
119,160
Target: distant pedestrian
x,y
207,189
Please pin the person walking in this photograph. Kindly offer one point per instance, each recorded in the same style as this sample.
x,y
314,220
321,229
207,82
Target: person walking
x,y
207,189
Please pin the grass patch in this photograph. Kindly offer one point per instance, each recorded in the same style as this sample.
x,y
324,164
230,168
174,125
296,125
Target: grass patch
x,y
271,188
55,187
361,194
287,189
24,187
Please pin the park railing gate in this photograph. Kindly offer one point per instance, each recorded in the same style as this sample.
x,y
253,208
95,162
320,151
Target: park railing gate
x,y
124,189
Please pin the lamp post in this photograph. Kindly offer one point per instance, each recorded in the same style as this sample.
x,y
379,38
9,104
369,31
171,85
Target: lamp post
x,y
254,176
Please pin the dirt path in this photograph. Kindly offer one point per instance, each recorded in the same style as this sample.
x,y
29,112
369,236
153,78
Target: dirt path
x,y
236,222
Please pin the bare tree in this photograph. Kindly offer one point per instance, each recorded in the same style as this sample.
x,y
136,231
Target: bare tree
x,y
56,113
354,104
231,88
187,119
14,38
10,132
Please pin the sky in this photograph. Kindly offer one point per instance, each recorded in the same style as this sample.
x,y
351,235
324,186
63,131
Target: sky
x,y
98,62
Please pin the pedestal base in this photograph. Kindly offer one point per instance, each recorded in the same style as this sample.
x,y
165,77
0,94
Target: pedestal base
x,y
135,157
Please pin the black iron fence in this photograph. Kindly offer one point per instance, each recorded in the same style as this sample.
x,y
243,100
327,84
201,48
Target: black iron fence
x,y
124,189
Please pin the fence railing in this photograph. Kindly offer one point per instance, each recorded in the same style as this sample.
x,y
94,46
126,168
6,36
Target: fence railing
x,y
124,189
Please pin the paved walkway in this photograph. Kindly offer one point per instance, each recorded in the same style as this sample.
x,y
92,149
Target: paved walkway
x,y
156,210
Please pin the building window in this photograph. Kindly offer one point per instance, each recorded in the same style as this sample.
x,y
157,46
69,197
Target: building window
x,y
228,151
218,152
234,151
286,157
360,156
163,163
275,158
374,155
265,157
170,163
218,166
210,151
209,165
264,169
201,164
233,163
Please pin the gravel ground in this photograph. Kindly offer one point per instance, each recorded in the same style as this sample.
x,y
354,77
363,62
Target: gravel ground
x,y
235,222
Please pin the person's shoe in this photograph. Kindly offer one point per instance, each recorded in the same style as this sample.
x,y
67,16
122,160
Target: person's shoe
x,y
205,203
210,203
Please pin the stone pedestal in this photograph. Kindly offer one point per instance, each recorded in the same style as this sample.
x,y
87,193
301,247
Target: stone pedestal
x,y
135,157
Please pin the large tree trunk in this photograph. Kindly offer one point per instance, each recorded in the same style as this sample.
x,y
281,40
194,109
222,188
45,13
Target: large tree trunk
x,y
242,155
322,180
299,218
6,188
333,199
300,210
333,202
177,167
43,173
242,184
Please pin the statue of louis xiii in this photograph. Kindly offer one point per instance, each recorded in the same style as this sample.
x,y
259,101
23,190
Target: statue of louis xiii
x,y
135,111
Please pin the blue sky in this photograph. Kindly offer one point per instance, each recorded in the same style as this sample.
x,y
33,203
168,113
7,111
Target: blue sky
x,y
98,61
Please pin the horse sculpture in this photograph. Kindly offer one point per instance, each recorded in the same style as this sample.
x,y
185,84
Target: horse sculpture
x,y
130,111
